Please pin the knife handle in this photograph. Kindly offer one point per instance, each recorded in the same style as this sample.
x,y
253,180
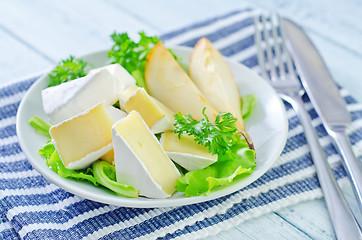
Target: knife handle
x,y
349,160
345,225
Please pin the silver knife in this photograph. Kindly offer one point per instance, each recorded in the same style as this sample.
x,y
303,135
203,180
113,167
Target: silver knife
x,y
324,95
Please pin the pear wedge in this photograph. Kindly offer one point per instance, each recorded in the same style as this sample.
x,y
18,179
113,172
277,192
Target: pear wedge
x,y
212,75
169,83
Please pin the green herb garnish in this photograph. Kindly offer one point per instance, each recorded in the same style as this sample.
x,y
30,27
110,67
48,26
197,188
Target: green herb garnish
x,y
66,70
221,138
217,136
132,55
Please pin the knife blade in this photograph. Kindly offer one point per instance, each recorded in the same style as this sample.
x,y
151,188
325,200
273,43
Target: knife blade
x,y
325,97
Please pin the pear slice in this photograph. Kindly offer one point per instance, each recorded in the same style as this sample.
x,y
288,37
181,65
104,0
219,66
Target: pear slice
x,y
169,83
213,77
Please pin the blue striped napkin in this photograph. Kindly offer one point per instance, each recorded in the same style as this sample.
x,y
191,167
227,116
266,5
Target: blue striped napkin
x,y
33,208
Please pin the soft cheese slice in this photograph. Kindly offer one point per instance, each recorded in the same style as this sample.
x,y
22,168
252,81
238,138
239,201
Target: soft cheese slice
x,y
156,115
170,84
186,152
122,78
86,137
140,160
71,98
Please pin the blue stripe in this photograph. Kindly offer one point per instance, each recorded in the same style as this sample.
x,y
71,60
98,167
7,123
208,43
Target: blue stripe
x,y
356,115
179,32
15,166
16,87
174,215
253,202
10,202
235,48
8,131
10,149
250,62
21,183
72,211
9,110
222,33
90,225
9,234
350,100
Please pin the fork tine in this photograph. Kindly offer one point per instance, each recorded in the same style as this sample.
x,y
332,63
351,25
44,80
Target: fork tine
x,y
291,71
260,52
269,53
278,49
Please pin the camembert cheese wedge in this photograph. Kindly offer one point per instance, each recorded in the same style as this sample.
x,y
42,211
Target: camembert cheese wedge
x,y
86,137
186,152
157,116
140,160
71,98
122,78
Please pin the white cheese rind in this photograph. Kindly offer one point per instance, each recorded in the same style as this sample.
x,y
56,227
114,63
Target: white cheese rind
x,y
88,158
186,152
71,98
189,161
132,171
140,160
162,125
103,84
122,78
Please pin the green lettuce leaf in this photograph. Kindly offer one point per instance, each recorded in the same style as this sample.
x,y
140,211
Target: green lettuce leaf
x,y
222,138
101,172
105,174
240,160
247,105
55,163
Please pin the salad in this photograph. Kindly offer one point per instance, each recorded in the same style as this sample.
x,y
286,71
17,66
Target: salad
x,y
215,148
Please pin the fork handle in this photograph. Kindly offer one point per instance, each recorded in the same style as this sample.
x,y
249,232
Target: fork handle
x,y
345,225
349,160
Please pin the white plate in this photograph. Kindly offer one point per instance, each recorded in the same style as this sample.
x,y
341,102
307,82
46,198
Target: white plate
x,y
268,127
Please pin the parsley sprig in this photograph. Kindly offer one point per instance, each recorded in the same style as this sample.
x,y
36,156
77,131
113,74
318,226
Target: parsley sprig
x,y
66,70
218,136
132,55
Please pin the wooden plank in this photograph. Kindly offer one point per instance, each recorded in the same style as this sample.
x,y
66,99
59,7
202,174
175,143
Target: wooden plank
x,y
268,227
18,60
167,16
60,28
312,217
339,21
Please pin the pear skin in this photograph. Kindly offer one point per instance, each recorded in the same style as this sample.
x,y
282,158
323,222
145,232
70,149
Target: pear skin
x,y
169,83
212,75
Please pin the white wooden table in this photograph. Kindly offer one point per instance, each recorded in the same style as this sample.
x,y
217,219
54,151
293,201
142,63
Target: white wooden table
x,y
35,35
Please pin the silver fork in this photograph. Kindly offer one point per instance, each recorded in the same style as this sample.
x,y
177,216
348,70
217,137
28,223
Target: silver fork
x,y
285,81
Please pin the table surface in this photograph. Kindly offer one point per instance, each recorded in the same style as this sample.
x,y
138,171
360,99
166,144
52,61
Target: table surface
x,y
35,35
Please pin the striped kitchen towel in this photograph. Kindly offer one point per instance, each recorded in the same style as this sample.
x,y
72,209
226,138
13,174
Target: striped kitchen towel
x,y
33,208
